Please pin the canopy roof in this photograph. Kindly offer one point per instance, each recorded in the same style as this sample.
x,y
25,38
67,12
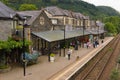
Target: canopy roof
x,y
57,35
95,32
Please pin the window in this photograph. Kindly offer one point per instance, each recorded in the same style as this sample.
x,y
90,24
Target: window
x,y
81,22
78,23
66,21
54,21
42,21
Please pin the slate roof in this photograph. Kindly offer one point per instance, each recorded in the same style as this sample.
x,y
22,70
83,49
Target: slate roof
x,y
6,12
55,11
32,15
68,13
78,15
85,17
100,24
57,35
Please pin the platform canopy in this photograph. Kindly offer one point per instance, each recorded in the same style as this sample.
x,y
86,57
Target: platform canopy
x,y
95,32
57,35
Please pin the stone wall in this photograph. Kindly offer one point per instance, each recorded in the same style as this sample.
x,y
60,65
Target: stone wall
x,y
37,27
5,29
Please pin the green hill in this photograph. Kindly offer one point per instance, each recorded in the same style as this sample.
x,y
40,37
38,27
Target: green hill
x,y
108,10
73,5
90,9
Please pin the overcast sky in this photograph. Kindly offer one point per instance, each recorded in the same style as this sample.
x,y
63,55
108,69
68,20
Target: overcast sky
x,y
112,3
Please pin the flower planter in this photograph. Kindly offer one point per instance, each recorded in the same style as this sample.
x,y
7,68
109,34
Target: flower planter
x,y
5,69
52,59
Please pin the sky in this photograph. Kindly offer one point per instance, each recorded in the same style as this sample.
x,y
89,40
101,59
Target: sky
x,y
112,3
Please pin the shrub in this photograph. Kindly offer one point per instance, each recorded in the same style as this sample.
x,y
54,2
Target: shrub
x,y
52,54
115,75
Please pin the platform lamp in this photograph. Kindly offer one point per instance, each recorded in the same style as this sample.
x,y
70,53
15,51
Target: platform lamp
x,y
83,30
63,28
97,24
64,41
24,59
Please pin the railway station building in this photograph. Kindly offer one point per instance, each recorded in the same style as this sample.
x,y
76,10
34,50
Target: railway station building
x,y
50,28
53,28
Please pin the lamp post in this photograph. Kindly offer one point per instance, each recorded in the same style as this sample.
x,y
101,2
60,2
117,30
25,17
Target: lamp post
x,y
24,66
98,32
24,59
83,30
64,41
97,24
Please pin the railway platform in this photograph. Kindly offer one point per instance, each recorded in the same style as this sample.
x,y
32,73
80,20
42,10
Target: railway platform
x,y
61,69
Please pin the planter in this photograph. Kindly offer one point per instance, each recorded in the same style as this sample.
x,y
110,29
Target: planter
x,y
66,56
5,69
52,59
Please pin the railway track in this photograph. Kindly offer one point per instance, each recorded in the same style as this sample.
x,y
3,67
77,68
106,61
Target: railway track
x,y
108,66
94,69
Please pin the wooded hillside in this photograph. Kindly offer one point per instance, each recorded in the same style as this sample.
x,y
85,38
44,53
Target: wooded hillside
x,y
73,5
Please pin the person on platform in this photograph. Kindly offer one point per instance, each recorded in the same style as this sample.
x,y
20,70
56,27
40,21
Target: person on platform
x,y
102,41
69,53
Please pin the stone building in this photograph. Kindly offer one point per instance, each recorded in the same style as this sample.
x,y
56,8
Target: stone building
x,y
8,19
51,26
61,17
38,22
6,22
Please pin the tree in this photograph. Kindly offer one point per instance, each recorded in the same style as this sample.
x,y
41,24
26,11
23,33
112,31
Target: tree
x,y
6,48
5,2
110,28
54,1
25,7
115,20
